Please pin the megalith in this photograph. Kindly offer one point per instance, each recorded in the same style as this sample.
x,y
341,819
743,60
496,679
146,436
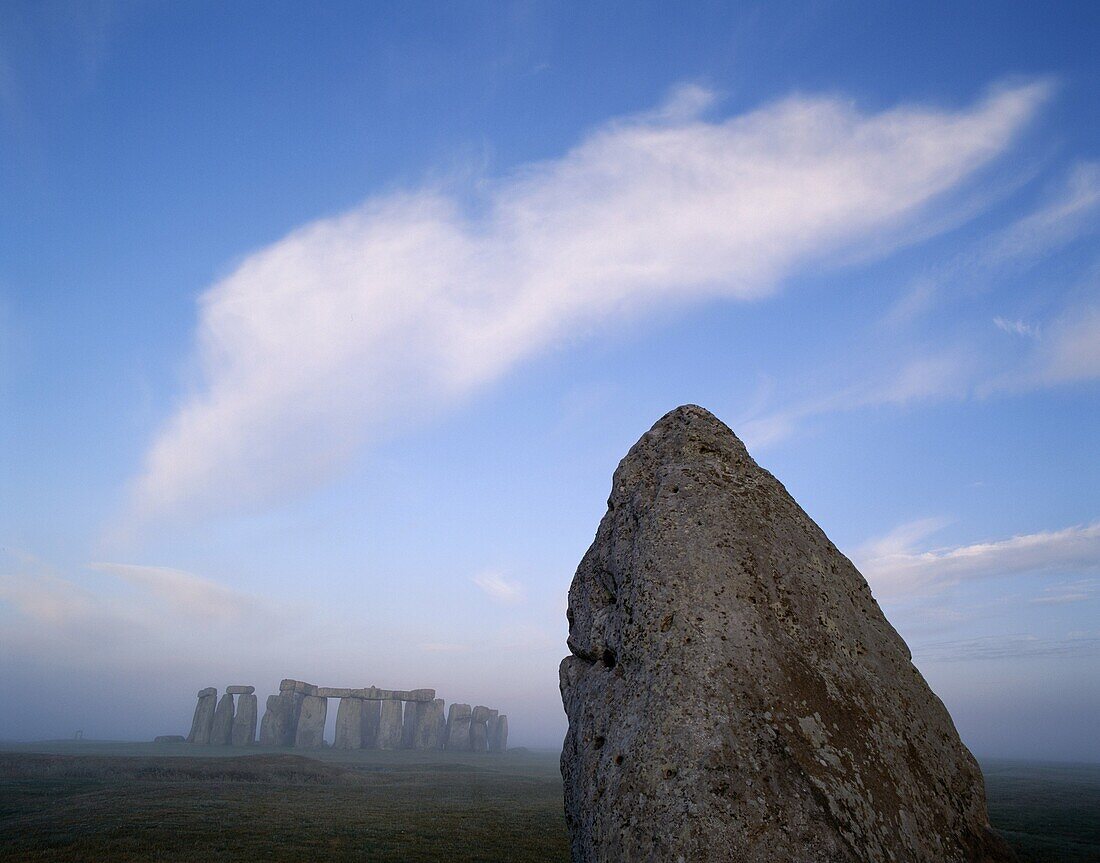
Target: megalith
x,y
221,730
311,723
499,741
244,720
479,737
734,692
408,723
279,727
491,729
458,728
372,720
349,724
389,729
203,719
431,725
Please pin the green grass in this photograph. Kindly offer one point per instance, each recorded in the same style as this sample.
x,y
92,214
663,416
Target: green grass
x,y
83,801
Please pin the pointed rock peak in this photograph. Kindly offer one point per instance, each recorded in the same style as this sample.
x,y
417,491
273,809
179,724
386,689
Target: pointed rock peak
x,y
735,692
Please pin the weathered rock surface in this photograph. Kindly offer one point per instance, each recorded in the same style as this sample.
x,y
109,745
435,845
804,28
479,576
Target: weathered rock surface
x,y
389,729
244,721
372,720
431,725
734,691
458,728
279,727
349,724
204,716
311,723
479,737
240,690
222,729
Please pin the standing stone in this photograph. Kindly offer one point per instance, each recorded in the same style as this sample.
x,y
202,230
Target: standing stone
x,y
431,726
389,730
372,719
222,729
311,723
279,726
203,719
244,721
479,737
491,729
349,724
408,723
734,691
499,743
458,728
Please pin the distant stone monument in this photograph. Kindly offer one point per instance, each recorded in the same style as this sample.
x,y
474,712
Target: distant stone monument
x,y
367,718
734,691
204,716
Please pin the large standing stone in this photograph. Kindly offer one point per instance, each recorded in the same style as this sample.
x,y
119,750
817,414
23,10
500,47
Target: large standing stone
x,y
372,719
389,729
408,723
491,729
203,719
244,721
479,737
279,727
431,725
499,743
349,724
222,730
311,723
734,691
458,728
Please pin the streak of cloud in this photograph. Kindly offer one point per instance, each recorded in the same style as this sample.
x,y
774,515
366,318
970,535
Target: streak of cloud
x,y
355,326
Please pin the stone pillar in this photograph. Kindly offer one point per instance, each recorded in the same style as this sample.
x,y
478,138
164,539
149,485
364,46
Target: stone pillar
x,y
409,723
244,721
204,716
389,730
311,723
501,740
458,728
491,729
349,724
222,728
372,719
431,726
479,740
280,723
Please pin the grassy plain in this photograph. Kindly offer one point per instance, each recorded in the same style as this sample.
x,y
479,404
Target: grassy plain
x,y
85,801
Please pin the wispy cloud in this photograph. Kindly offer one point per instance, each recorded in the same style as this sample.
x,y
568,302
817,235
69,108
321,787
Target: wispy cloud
x,y
187,593
499,588
354,325
1013,646
1016,328
895,569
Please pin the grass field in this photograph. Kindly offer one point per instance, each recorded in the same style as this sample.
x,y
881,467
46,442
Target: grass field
x,y
126,802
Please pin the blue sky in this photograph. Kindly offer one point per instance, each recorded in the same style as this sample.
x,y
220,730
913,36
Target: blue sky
x,y
323,328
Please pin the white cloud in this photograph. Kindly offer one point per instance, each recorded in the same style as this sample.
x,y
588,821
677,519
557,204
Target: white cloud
x,y
1011,646
895,569
358,324
185,592
1016,328
498,588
